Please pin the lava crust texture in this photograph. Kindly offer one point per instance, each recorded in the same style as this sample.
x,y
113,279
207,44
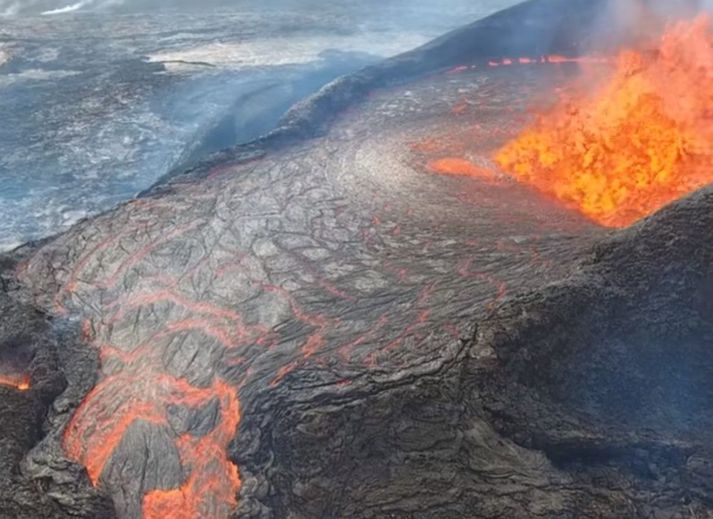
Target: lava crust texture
x,y
330,330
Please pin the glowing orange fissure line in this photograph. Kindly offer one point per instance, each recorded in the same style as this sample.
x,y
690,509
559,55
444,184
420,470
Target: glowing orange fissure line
x,y
134,258
552,59
316,338
19,382
71,284
230,335
422,317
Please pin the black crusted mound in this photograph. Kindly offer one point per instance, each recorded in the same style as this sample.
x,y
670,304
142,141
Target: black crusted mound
x,y
29,344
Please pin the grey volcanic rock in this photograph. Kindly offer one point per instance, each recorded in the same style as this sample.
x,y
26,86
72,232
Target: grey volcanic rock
x,y
325,328
590,397
29,346
625,339
608,371
90,121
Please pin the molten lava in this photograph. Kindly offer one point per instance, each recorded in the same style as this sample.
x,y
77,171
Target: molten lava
x,y
638,142
213,481
18,382
460,167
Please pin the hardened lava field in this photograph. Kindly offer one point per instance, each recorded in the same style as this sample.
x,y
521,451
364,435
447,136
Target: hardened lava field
x,y
396,304
384,319
334,255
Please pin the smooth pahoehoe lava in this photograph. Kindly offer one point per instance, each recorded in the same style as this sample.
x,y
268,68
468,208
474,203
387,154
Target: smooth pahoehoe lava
x,y
315,259
322,264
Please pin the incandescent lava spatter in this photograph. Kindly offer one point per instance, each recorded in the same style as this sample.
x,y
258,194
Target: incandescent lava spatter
x,y
295,335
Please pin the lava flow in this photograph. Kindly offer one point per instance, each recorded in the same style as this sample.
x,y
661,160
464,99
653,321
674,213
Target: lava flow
x,y
18,382
460,167
213,481
213,308
637,143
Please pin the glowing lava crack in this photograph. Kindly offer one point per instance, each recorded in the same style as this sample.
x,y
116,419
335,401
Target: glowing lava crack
x,y
19,382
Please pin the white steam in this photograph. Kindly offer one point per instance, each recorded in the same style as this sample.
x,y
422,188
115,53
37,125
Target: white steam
x,y
52,7
67,8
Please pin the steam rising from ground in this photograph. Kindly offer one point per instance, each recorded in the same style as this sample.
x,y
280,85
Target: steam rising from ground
x,y
58,7
50,7
91,121
66,9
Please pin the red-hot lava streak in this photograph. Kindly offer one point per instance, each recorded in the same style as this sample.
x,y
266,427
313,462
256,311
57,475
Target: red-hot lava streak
x,y
638,142
211,488
139,391
19,382
460,167
554,59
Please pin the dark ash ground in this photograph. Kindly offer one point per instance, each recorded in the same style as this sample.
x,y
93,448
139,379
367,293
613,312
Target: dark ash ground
x,y
402,345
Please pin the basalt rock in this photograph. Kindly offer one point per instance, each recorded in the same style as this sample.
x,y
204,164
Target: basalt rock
x,y
39,357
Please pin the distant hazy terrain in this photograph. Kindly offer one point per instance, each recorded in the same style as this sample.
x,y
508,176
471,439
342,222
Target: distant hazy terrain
x,y
98,103
29,7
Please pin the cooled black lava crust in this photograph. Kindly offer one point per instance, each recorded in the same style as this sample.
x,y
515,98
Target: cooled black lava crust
x,y
330,330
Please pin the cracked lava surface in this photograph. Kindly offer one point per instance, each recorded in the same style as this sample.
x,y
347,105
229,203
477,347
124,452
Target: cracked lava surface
x,y
338,253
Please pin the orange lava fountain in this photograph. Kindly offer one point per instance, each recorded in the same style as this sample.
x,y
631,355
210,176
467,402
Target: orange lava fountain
x,y
637,143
